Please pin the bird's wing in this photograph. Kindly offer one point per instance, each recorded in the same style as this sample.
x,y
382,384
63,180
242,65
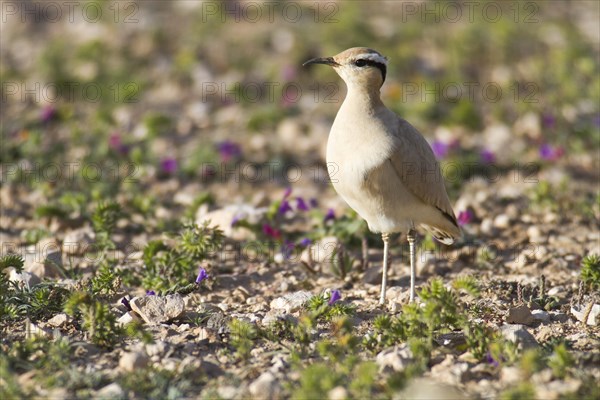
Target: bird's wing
x,y
416,165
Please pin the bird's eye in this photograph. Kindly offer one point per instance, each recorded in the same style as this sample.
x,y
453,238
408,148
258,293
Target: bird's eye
x,y
360,63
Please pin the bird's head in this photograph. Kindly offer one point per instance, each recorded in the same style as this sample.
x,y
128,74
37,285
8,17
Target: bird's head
x,y
358,66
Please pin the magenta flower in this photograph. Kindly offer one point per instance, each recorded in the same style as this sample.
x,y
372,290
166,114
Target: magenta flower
x,y
440,149
116,143
465,217
330,216
289,73
334,297
202,275
47,114
229,150
168,165
301,204
150,293
487,156
270,231
284,207
550,153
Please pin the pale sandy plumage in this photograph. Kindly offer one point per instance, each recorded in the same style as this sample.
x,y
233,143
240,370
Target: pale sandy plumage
x,y
384,169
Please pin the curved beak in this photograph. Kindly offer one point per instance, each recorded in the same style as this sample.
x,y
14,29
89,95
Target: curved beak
x,y
323,60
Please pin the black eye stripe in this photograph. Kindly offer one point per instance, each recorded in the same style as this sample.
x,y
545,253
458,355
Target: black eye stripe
x,y
362,62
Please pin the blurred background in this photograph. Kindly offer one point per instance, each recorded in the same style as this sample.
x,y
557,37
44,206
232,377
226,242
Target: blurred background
x,y
148,99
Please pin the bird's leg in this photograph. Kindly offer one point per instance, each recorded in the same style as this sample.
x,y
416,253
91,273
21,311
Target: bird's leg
x,y
386,239
410,236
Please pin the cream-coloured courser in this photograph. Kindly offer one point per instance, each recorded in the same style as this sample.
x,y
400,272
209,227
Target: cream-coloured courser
x,y
382,166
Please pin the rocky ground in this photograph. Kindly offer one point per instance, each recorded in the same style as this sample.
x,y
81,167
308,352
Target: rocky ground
x,y
189,244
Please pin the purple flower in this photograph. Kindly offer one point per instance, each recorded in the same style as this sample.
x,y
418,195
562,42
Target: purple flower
x,y
202,275
47,114
550,153
305,242
168,165
597,121
228,150
314,203
330,216
284,207
334,297
287,193
301,204
150,293
487,156
270,231
235,220
548,120
287,249
440,149
125,302
465,217
491,360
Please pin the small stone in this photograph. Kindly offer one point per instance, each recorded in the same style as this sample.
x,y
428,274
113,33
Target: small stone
x,y
487,226
158,309
224,217
322,251
541,315
535,234
373,275
130,361
265,387
227,392
33,330
502,221
427,388
510,375
43,259
520,315
338,393
27,279
449,371
126,318
558,316
580,311
518,334
291,302
112,391
395,358
77,242
158,348
58,320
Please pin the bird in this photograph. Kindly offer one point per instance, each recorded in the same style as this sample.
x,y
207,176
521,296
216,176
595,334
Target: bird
x,y
381,165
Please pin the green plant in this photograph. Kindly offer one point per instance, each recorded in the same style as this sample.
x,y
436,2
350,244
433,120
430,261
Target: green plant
x,y
99,322
321,310
590,271
243,336
168,265
560,361
104,220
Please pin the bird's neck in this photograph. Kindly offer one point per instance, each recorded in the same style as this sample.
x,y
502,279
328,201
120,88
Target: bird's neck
x,y
363,98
